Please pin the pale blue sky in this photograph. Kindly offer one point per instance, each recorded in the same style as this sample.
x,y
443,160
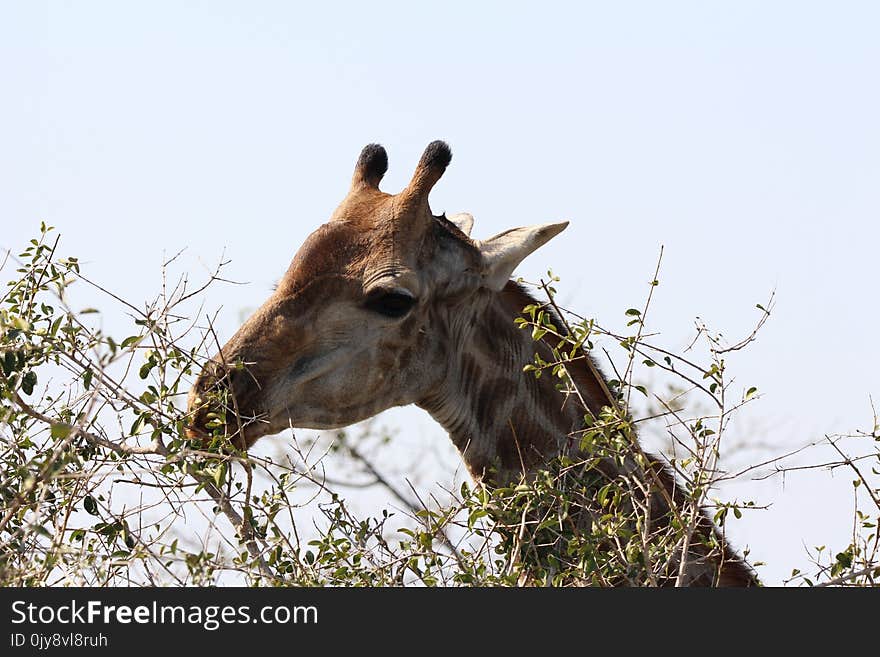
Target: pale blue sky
x,y
744,136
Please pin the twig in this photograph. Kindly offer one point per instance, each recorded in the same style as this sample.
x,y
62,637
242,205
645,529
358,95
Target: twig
x,y
870,570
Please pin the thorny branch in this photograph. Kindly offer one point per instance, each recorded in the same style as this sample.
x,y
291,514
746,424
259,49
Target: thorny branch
x,y
62,519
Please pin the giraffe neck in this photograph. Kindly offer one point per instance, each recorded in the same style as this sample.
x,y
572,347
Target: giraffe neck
x,y
504,421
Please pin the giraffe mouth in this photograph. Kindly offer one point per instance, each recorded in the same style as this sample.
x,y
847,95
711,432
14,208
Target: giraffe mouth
x,y
211,427
220,407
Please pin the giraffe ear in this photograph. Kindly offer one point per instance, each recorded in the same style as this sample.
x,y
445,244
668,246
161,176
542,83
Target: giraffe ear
x,y
464,221
503,253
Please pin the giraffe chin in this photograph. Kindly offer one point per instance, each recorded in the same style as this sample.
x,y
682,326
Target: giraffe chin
x,y
256,425
255,430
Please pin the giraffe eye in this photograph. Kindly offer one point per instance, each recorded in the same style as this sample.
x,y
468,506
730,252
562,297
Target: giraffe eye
x,y
391,304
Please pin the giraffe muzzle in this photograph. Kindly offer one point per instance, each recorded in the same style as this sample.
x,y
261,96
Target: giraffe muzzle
x,y
219,404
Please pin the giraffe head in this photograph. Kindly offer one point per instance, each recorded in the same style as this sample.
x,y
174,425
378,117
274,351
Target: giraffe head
x,y
366,316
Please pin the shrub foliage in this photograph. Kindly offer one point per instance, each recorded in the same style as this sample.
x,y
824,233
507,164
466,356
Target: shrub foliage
x,y
101,487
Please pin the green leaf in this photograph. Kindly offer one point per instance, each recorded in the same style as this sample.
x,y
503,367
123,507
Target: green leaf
x,y
144,372
219,471
41,530
751,391
60,430
28,382
90,505
632,312
9,362
138,424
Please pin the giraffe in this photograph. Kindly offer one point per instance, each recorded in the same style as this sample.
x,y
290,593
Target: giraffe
x,y
387,305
